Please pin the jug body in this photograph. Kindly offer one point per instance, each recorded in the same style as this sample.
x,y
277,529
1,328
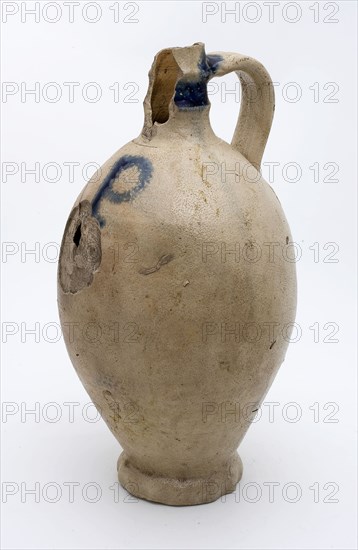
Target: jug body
x,y
175,298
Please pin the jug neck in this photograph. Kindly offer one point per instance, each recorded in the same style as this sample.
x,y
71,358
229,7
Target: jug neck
x,y
177,99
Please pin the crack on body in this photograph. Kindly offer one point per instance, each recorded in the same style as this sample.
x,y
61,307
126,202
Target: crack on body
x,y
163,260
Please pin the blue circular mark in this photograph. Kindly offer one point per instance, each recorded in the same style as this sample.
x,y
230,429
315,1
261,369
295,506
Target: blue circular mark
x,y
106,191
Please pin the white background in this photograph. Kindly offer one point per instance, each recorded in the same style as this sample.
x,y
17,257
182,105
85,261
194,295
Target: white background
x,y
314,123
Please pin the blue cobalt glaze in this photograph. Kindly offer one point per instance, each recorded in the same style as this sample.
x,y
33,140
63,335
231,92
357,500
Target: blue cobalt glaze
x,y
190,94
213,62
193,93
106,191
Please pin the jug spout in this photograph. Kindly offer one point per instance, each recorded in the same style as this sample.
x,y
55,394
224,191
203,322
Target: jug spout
x,y
178,82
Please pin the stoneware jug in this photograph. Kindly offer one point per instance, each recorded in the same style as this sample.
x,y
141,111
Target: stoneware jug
x,y
175,295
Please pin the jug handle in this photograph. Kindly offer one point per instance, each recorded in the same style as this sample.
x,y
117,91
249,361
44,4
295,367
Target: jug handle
x,y
257,103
